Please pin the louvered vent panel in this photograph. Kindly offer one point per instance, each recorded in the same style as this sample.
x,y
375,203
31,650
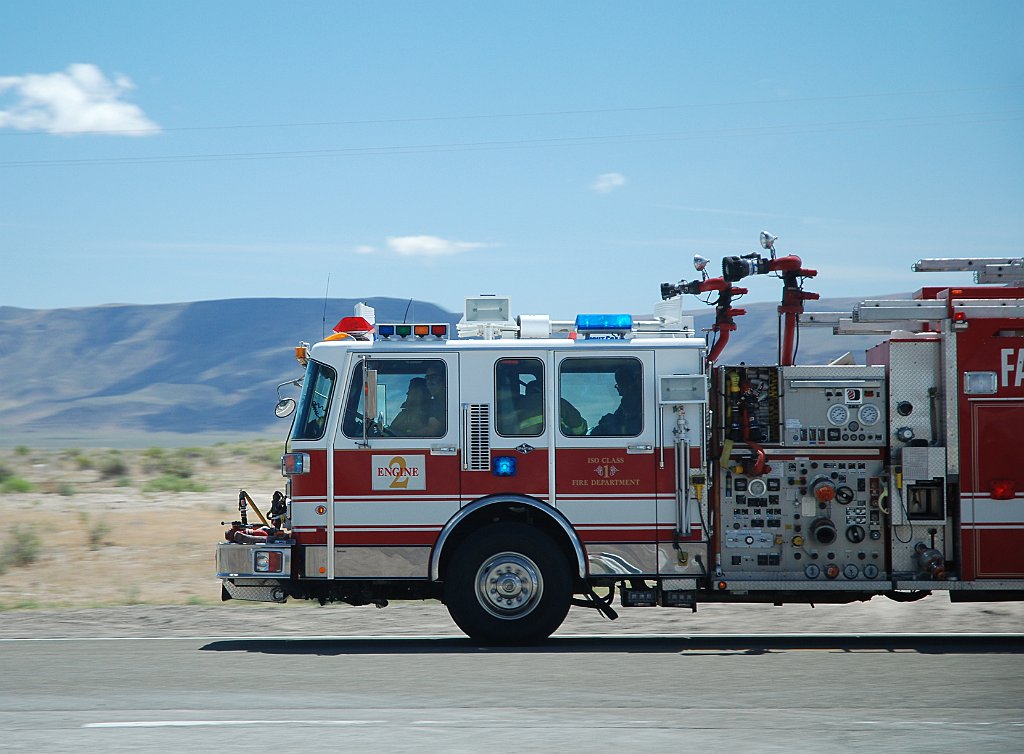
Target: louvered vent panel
x,y
478,437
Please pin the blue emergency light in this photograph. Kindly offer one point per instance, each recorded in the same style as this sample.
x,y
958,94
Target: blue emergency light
x,y
604,324
504,466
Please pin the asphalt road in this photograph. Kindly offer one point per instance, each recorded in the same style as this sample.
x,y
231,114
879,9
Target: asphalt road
x,y
870,693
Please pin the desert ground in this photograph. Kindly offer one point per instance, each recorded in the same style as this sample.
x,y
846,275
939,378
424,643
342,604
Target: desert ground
x,y
101,542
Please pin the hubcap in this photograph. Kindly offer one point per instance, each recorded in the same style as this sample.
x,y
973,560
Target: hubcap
x,y
509,585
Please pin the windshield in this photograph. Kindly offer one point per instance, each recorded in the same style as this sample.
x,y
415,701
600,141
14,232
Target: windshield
x,y
311,417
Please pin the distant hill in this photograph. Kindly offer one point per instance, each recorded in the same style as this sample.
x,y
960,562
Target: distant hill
x,y
203,367
210,367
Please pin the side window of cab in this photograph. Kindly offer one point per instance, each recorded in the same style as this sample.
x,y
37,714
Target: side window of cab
x,y
606,393
411,396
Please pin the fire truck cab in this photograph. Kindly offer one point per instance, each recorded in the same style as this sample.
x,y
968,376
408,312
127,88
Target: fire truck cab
x,y
529,465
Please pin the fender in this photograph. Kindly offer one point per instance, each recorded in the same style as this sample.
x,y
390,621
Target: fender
x,y
464,513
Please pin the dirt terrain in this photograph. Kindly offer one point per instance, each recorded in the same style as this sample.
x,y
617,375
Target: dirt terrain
x,y
92,547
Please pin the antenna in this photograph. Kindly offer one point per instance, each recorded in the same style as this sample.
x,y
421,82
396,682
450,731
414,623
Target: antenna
x,y
405,317
323,320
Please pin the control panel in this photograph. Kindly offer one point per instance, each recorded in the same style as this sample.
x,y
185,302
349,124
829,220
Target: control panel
x,y
812,516
833,406
804,406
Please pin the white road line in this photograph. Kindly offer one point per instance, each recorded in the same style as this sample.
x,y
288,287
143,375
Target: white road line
x,y
216,723
863,635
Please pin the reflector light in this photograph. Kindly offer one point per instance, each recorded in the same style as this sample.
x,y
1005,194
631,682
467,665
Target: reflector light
x,y
723,585
321,510
403,330
385,331
959,317
421,330
604,322
294,463
439,331
1003,489
504,466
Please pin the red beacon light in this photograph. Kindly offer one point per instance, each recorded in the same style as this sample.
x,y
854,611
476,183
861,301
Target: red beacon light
x,y
352,327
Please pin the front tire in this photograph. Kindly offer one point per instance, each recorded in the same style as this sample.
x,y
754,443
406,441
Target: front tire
x,y
508,584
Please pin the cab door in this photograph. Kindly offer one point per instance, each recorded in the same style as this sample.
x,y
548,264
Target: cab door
x,y
506,415
396,474
606,466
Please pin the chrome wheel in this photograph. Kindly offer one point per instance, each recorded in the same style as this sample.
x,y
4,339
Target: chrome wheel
x,y
509,585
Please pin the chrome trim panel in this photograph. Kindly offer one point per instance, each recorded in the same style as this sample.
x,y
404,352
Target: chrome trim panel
x,y
381,562
625,560
458,518
236,561
369,562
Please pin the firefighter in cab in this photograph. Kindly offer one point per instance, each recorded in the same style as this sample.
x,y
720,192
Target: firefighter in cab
x,y
627,419
532,413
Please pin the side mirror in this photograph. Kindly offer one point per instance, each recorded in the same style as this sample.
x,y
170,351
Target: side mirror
x,y
284,408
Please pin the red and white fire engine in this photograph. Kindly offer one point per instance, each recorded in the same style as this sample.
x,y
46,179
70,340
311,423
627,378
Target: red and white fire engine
x,y
528,465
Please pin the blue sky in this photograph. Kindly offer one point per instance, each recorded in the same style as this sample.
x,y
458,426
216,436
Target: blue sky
x,y
569,155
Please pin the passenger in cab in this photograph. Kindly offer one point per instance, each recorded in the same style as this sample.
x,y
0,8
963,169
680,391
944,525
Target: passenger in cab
x,y
627,419
531,422
414,420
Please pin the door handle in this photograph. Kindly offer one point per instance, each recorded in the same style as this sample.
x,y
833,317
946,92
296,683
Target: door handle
x,y
443,450
639,449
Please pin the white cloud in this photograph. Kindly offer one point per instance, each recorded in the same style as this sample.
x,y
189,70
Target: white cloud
x,y
430,246
365,249
608,182
78,100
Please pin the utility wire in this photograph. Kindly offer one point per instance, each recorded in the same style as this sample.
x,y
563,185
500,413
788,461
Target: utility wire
x,y
752,131
527,114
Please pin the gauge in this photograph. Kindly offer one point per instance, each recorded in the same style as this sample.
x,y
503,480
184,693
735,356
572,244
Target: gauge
x,y
869,414
838,414
812,571
757,487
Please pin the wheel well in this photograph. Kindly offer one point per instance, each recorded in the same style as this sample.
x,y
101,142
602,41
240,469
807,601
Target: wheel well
x,y
502,511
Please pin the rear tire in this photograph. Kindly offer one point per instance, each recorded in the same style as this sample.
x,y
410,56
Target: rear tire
x,y
508,584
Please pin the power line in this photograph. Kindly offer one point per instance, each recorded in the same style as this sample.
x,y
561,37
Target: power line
x,y
744,132
527,114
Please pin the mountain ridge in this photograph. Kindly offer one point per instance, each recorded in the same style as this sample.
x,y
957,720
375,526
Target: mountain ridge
x,y
209,367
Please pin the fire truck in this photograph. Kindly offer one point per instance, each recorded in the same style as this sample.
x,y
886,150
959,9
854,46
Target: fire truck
x,y
523,465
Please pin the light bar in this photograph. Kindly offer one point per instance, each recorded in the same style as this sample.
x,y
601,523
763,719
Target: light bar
x,y
424,330
604,323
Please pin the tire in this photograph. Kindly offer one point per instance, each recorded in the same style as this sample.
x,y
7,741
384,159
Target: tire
x,y
508,584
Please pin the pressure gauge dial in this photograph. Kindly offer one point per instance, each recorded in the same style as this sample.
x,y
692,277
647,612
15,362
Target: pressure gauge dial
x,y
869,414
838,414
